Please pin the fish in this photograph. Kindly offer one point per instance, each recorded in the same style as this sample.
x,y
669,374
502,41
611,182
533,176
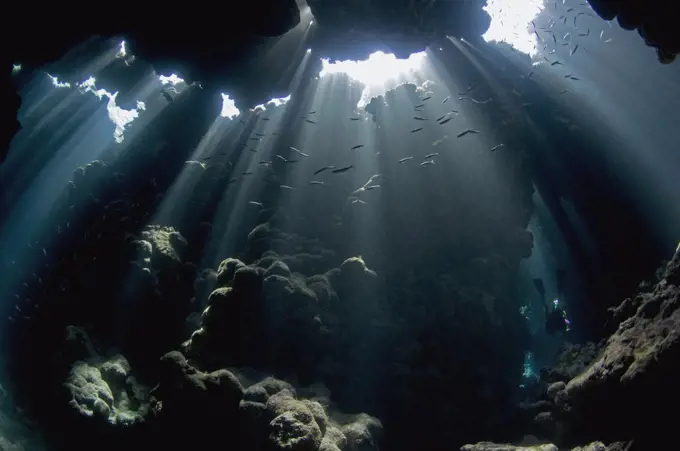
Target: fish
x,y
425,163
265,119
259,134
575,78
566,35
316,182
426,98
251,149
601,34
299,151
281,158
403,160
468,131
440,140
497,147
608,41
167,96
446,99
286,187
587,33
420,105
354,118
531,74
418,118
358,146
537,36
356,200
573,50
416,129
555,63
252,202
343,169
470,88
567,76
445,121
442,117
312,112
310,121
325,168
254,139
429,156
292,161
368,188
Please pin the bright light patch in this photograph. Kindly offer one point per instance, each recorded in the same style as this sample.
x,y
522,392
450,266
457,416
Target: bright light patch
x,y
16,68
379,72
120,117
173,80
121,52
229,109
279,101
511,23
57,84
309,50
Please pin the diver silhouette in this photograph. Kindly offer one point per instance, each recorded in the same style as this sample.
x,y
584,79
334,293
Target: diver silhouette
x,y
555,317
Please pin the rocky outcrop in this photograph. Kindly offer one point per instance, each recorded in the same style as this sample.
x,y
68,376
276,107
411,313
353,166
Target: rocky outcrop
x,y
652,21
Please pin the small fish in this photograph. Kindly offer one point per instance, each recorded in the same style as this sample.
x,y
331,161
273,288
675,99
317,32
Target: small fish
x,y
445,121
343,169
555,63
260,134
468,131
420,105
310,121
286,187
567,76
497,147
266,119
254,139
425,163
566,36
356,200
251,149
608,41
601,34
299,151
368,188
316,182
403,160
430,156
325,168
281,158
471,87
354,118
416,129
426,98
358,146
312,112
292,161
446,99
167,96
442,117
252,202
418,118
206,158
575,78
573,50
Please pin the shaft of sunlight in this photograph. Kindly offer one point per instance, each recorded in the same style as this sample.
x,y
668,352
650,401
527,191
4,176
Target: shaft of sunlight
x,y
510,22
